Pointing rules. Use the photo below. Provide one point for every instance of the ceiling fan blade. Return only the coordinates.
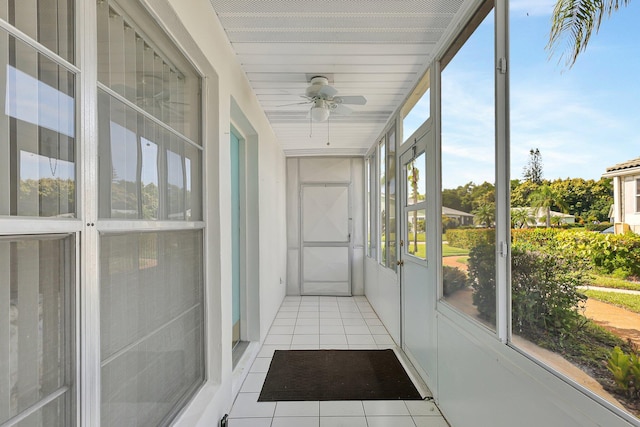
(294, 103)
(327, 91)
(352, 100)
(341, 109)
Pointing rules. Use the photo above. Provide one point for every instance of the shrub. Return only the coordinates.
(453, 279)
(544, 292)
(625, 368)
(470, 238)
(601, 226)
(482, 278)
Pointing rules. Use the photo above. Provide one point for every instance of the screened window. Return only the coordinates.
(149, 109)
(417, 109)
(38, 150)
(468, 171)
(372, 210)
(390, 183)
(151, 324)
(37, 363)
(150, 168)
(382, 201)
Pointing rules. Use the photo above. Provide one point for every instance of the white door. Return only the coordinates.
(418, 295)
(325, 233)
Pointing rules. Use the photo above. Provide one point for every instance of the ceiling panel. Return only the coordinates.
(374, 48)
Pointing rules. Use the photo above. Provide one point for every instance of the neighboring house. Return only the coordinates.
(626, 195)
(539, 215)
(463, 218)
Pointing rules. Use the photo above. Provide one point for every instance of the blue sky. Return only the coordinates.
(582, 119)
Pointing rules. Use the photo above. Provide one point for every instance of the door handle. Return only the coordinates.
(400, 262)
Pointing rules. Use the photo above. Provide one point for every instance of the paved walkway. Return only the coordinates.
(619, 291)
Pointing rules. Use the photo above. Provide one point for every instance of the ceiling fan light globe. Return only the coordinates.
(319, 114)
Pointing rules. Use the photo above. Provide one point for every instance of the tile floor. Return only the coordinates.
(325, 323)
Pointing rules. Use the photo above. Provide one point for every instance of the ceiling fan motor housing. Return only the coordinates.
(317, 83)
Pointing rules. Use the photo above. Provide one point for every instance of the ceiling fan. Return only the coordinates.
(325, 101)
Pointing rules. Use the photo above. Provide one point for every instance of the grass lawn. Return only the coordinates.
(627, 301)
(612, 282)
(450, 250)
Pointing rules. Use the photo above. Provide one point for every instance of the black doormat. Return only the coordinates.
(296, 375)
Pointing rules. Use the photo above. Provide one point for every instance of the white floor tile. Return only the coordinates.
(306, 330)
(343, 408)
(307, 322)
(383, 339)
(332, 321)
(333, 339)
(343, 422)
(331, 329)
(430, 422)
(363, 347)
(334, 346)
(287, 315)
(305, 339)
(284, 322)
(327, 323)
(353, 322)
(378, 330)
(390, 422)
(253, 382)
(261, 364)
(298, 409)
(330, 315)
(276, 339)
(296, 422)
(384, 407)
(267, 350)
(351, 315)
(360, 339)
(305, 347)
(282, 330)
(356, 330)
(308, 314)
(250, 422)
(422, 407)
(247, 406)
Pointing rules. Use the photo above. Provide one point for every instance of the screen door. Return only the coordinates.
(325, 233)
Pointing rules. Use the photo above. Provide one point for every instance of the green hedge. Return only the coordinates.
(616, 254)
(470, 238)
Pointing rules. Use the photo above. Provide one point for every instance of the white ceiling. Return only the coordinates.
(375, 48)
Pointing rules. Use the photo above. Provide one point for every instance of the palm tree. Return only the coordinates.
(520, 217)
(414, 177)
(484, 215)
(545, 197)
(576, 20)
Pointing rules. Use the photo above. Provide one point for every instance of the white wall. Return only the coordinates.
(383, 292)
(630, 216)
(482, 382)
(195, 28)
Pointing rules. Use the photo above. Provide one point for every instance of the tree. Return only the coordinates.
(520, 218)
(546, 197)
(575, 20)
(484, 215)
(533, 170)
